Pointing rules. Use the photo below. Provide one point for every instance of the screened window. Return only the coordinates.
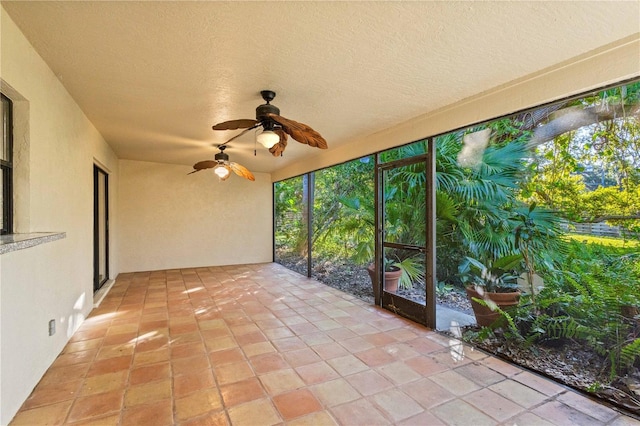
(6, 164)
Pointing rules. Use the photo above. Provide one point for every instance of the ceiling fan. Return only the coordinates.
(222, 167)
(275, 128)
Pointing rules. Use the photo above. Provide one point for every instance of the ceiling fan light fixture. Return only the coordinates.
(221, 171)
(268, 138)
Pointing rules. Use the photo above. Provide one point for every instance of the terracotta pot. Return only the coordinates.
(391, 279)
(484, 315)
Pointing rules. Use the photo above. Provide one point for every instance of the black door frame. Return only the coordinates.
(98, 173)
(424, 314)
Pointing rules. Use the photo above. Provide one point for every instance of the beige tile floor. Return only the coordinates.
(261, 345)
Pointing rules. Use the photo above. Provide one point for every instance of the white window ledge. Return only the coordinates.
(13, 242)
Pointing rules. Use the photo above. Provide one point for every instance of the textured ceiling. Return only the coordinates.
(154, 76)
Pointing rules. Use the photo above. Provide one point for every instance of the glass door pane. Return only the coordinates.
(291, 231)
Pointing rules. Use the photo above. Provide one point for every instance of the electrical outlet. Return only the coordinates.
(52, 327)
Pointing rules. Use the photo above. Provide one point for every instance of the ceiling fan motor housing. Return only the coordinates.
(263, 110)
(221, 156)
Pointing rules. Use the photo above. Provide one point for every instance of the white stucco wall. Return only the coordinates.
(606, 65)
(168, 219)
(54, 193)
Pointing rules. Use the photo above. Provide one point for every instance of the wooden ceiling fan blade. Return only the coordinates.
(202, 165)
(278, 148)
(235, 124)
(242, 133)
(300, 132)
(241, 171)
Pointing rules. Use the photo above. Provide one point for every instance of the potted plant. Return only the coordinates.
(490, 286)
(392, 275)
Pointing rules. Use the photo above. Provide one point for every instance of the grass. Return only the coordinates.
(618, 245)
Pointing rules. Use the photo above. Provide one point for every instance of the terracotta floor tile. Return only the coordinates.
(114, 351)
(316, 373)
(123, 328)
(375, 357)
(368, 382)
(90, 330)
(460, 413)
(193, 337)
(268, 362)
(301, 357)
(356, 344)
(147, 393)
(151, 357)
(96, 405)
(379, 339)
(197, 404)
(258, 349)
(216, 418)
(53, 414)
(278, 333)
(150, 373)
(184, 384)
(293, 320)
(71, 358)
(289, 344)
(538, 383)
(318, 338)
(249, 338)
(58, 392)
(234, 372)
(151, 341)
(152, 325)
(64, 374)
(425, 365)
(158, 413)
(454, 382)
(296, 404)
(185, 328)
(83, 345)
(425, 418)
(277, 382)
(347, 364)
(258, 412)
(108, 420)
(340, 334)
(585, 405)
(493, 404)
(243, 391)
(120, 339)
(396, 405)
(335, 392)
(187, 365)
(330, 350)
(362, 410)
(500, 366)
(319, 418)
(220, 343)
(424, 345)
(518, 393)
(226, 356)
(427, 393)
(110, 365)
(104, 383)
(303, 328)
(480, 374)
(530, 419)
(559, 413)
(187, 350)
